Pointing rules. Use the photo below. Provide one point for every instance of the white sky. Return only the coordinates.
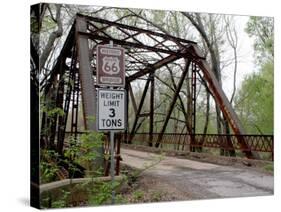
(246, 63)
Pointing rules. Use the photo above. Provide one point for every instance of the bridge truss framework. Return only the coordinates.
(147, 53)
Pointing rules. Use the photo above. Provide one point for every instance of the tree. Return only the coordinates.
(206, 25)
(262, 30)
(254, 102)
(53, 36)
(255, 97)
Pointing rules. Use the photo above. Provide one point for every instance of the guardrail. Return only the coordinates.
(187, 142)
(199, 142)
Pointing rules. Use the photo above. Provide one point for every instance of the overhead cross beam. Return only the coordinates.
(129, 43)
(136, 29)
(153, 67)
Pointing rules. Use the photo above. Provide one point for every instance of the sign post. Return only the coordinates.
(112, 166)
(111, 102)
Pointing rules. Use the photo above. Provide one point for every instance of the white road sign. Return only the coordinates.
(111, 109)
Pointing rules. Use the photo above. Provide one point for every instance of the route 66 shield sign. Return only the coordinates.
(110, 66)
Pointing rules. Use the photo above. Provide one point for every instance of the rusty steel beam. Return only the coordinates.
(223, 102)
(171, 107)
(132, 98)
(144, 114)
(135, 58)
(130, 36)
(257, 143)
(128, 43)
(87, 83)
(193, 91)
(127, 88)
(193, 111)
(220, 97)
(151, 114)
(160, 43)
(145, 31)
(75, 105)
(153, 67)
(173, 89)
(139, 109)
(85, 72)
(60, 104)
(97, 29)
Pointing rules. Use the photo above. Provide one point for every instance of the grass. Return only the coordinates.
(156, 196)
(269, 168)
(138, 195)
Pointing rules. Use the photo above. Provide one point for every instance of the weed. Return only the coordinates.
(269, 168)
(137, 195)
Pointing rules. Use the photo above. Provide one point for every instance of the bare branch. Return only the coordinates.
(232, 38)
(54, 35)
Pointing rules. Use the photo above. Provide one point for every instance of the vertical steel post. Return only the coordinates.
(75, 105)
(112, 165)
(87, 84)
(193, 98)
(193, 112)
(151, 115)
(86, 78)
(139, 110)
(125, 137)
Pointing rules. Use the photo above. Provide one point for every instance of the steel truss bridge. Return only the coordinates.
(72, 80)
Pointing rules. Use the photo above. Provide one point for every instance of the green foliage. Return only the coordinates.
(48, 24)
(254, 102)
(58, 200)
(47, 169)
(55, 111)
(269, 168)
(73, 148)
(90, 144)
(120, 199)
(83, 151)
(137, 195)
(156, 196)
(100, 194)
(262, 30)
(48, 106)
(62, 201)
(34, 25)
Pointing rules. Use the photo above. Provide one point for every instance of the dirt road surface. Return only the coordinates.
(190, 179)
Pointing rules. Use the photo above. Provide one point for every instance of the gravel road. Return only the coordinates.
(200, 180)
